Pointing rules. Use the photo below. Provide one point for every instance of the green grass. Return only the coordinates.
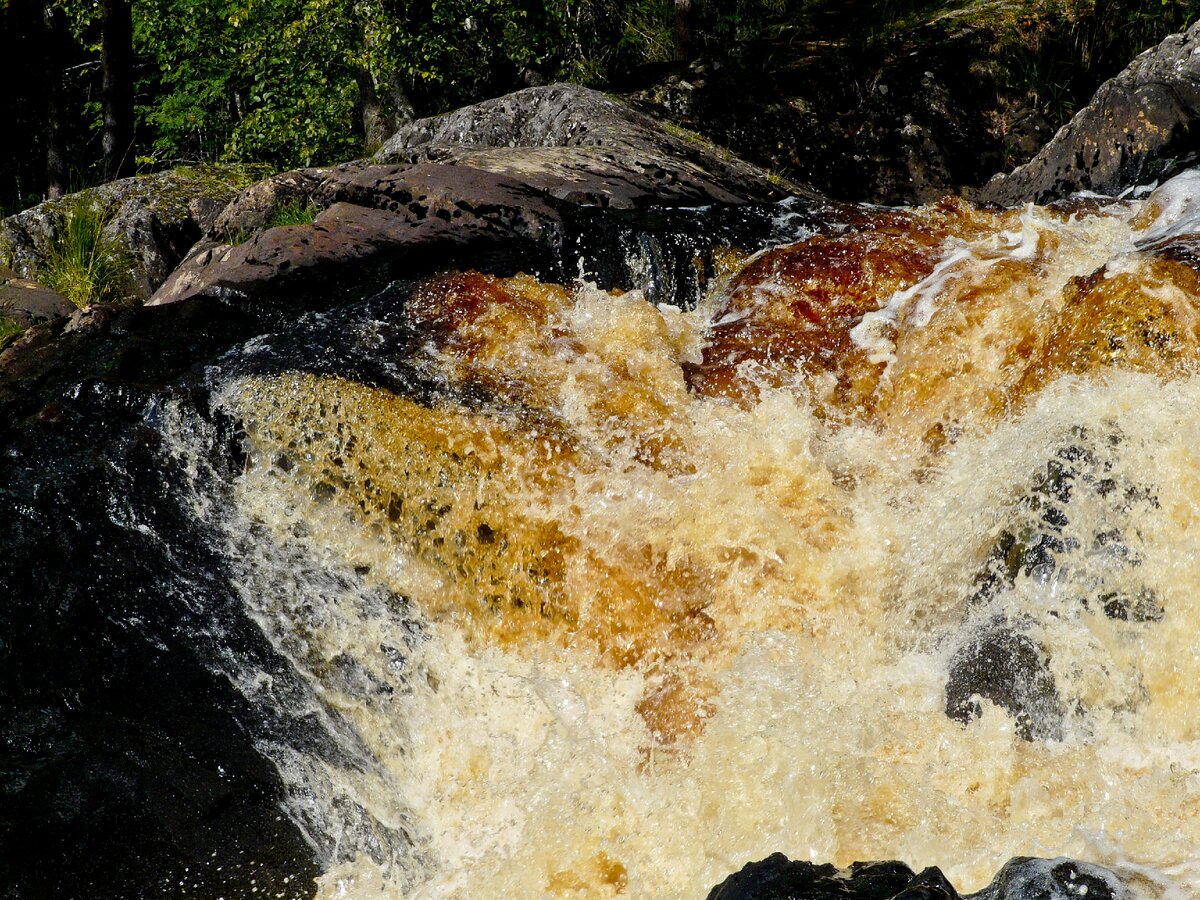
(82, 265)
(9, 331)
(295, 213)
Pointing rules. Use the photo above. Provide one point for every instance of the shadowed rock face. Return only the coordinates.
(1133, 131)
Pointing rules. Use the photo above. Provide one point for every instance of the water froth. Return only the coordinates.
(622, 624)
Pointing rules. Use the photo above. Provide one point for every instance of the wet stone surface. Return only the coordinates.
(1022, 878)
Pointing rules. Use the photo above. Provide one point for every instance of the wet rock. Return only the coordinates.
(1134, 130)
(1002, 664)
(150, 220)
(131, 767)
(1025, 878)
(1021, 878)
(779, 878)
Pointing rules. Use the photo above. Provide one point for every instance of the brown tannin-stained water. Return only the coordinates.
(888, 549)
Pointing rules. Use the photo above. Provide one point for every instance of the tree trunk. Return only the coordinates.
(57, 38)
(116, 57)
(684, 30)
(383, 115)
(22, 104)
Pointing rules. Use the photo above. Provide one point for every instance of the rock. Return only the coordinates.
(151, 221)
(603, 135)
(407, 220)
(1132, 132)
(486, 198)
(779, 878)
(1002, 664)
(253, 208)
(1024, 878)
(25, 303)
(1021, 878)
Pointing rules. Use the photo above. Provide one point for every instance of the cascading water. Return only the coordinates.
(884, 549)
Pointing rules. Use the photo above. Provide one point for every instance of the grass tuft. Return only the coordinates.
(295, 213)
(9, 331)
(82, 265)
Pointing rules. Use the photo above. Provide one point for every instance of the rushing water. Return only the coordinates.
(885, 549)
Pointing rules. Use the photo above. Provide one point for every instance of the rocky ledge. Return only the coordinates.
(497, 181)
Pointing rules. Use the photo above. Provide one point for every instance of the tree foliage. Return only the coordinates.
(309, 82)
(281, 80)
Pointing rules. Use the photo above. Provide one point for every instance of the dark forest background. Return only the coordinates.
(99, 89)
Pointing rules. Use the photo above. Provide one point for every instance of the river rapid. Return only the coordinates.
(885, 548)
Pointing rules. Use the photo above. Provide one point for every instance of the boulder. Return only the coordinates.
(398, 221)
(253, 209)
(150, 221)
(602, 134)
(1136, 127)
(501, 183)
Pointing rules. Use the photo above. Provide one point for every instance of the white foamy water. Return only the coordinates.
(608, 634)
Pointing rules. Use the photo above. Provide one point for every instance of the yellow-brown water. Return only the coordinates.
(691, 581)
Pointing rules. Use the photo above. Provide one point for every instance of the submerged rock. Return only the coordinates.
(1133, 131)
(779, 878)
(1001, 664)
(1022, 878)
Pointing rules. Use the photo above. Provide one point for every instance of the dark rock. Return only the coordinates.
(1021, 878)
(130, 766)
(1025, 878)
(779, 878)
(1000, 663)
(150, 220)
(27, 303)
(1133, 131)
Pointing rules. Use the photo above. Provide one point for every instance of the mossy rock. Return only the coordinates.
(151, 221)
